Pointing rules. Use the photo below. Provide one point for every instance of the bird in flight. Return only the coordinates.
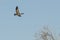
(18, 13)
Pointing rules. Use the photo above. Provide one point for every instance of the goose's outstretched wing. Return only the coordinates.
(22, 13)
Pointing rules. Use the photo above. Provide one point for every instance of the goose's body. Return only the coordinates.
(17, 12)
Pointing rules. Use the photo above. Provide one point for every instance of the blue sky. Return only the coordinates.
(37, 13)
